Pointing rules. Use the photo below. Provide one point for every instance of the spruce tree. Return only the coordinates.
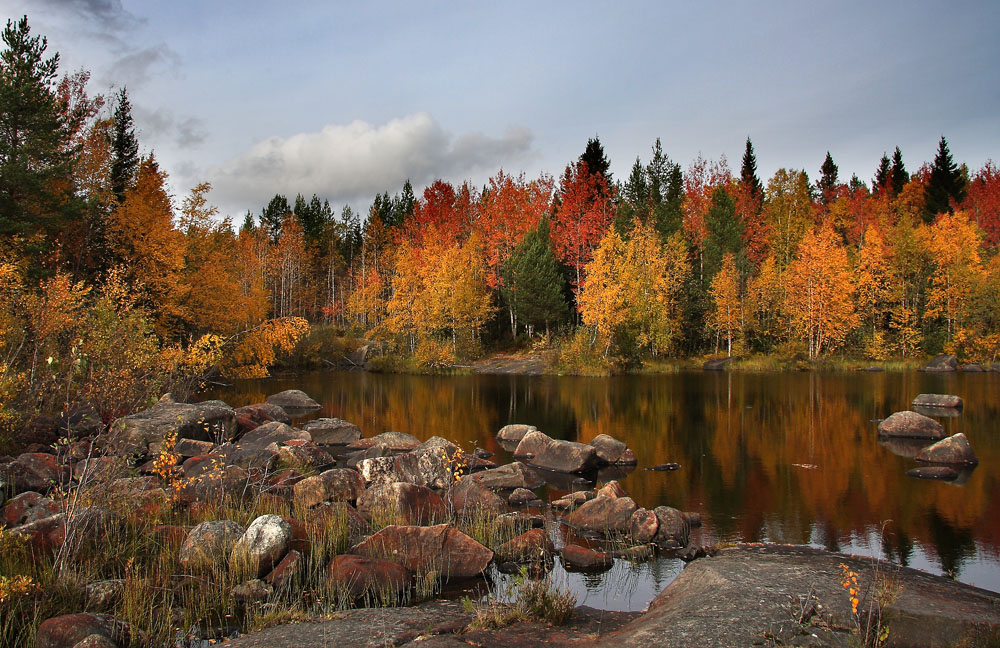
(898, 176)
(273, 216)
(827, 182)
(124, 148)
(725, 232)
(666, 192)
(882, 181)
(748, 172)
(533, 287)
(248, 226)
(597, 161)
(946, 184)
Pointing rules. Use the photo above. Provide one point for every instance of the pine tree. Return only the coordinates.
(898, 175)
(748, 172)
(403, 203)
(881, 181)
(596, 160)
(725, 232)
(273, 217)
(248, 226)
(666, 192)
(533, 286)
(946, 184)
(827, 182)
(124, 148)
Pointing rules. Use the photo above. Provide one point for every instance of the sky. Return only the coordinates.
(350, 99)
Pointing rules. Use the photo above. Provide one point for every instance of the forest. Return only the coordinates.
(112, 289)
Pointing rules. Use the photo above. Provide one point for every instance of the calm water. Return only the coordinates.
(789, 457)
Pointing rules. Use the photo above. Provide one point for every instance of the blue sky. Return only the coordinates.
(347, 99)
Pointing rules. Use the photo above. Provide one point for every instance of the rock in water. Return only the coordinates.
(515, 432)
(332, 431)
(937, 400)
(953, 450)
(912, 425)
(293, 399)
(941, 363)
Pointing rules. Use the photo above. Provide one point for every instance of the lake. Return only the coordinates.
(765, 457)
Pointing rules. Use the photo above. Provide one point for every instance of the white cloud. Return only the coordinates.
(353, 162)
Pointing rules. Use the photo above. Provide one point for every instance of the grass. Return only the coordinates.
(524, 600)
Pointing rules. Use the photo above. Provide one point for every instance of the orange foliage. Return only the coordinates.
(511, 207)
(583, 214)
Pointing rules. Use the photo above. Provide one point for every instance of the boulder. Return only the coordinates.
(274, 432)
(263, 545)
(70, 630)
(17, 509)
(531, 546)
(674, 529)
(577, 558)
(293, 399)
(612, 451)
(305, 456)
(643, 525)
(396, 441)
(943, 362)
(521, 497)
(420, 549)
(36, 471)
(572, 500)
(251, 416)
(358, 576)
(354, 459)
(216, 484)
(339, 518)
(208, 544)
(434, 465)
(284, 573)
(532, 444)
(104, 593)
(566, 457)
(911, 425)
(416, 505)
(953, 450)
(515, 432)
(468, 497)
(604, 515)
(611, 489)
(938, 400)
(508, 477)
(208, 421)
(332, 431)
(189, 447)
(973, 367)
(252, 591)
(335, 485)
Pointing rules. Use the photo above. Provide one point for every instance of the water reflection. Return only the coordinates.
(790, 457)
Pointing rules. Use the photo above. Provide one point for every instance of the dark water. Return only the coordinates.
(784, 457)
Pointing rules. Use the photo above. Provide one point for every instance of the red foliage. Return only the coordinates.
(582, 217)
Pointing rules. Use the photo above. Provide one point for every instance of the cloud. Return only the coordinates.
(110, 14)
(163, 126)
(136, 66)
(352, 162)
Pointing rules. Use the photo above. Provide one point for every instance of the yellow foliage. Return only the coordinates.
(727, 313)
(954, 243)
(255, 350)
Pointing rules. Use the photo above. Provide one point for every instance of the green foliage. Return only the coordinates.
(124, 148)
(533, 287)
(945, 185)
(748, 172)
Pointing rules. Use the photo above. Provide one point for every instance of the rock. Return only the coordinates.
(292, 399)
(604, 515)
(938, 412)
(332, 431)
(612, 451)
(273, 432)
(89, 527)
(532, 444)
(973, 368)
(953, 450)
(572, 500)
(208, 544)
(252, 591)
(911, 425)
(566, 457)
(531, 546)
(521, 497)
(423, 549)
(358, 576)
(937, 400)
(16, 510)
(416, 505)
(338, 517)
(470, 498)
(354, 459)
(36, 471)
(217, 484)
(208, 421)
(45, 535)
(580, 558)
(643, 525)
(943, 362)
(251, 416)
(612, 489)
(674, 529)
(396, 441)
(70, 630)
(637, 554)
(515, 432)
(190, 447)
(102, 594)
(943, 473)
(283, 575)
(510, 476)
(335, 485)
(263, 545)
(716, 364)
(305, 456)
(665, 467)
(433, 464)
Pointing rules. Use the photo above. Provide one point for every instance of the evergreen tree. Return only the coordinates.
(597, 161)
(350, 242)
(313, 217)
(36, 182)
(636, 199)
(748, 171)
(883, 173)
(273, 216)
(946, 184)
(666, 192)
(725, 233)
(855, 184)
(124, 148)
(248, 226)
(897, 174)
(827, 182)
(403, 203)
(533, 286)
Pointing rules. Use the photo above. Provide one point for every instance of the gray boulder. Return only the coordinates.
(508, 477)
(515, 432)
(332, 431)
(953, 450)
(912, 425)
(942, 363)
(532, 444)
(212, 421)
(293, 399)
(938, 400)
(612, 451)
(604, 515)
(566, 457)
(263, 545)
(674, 529)
(335, 485)
(209, 543)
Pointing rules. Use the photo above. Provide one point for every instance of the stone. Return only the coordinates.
(396, 441)
(217, 484)
(572, 500)
(284, 573)
(515, 432)
(938, 400)
(521, 497)
(69, 630)
(416, 505)
(912, 425)
(208, 421)
(508, 477)
(468, 497)
(953, 450)
(604, 515)
(251, 416)
(612, 451)
(566, 457)
(36, 471)
(674, 530)
(263, 545)
(434, 465)
(334, 485)
(252, 591)
(102, 594)
(338, 517)
(354, 459)
(208, 544)
(273, 432)
(973, 367)
(293, 399)
(611, 489)
(531, 546)
(942, 473)
(16, 510)
(941, 363)
(358, 576)
(577, 558)
(332, 431)
(532, 444)
(305, 455)
(643, 525)
(423, 549)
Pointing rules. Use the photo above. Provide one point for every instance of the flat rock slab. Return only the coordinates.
(938, 400)
(749, 592)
